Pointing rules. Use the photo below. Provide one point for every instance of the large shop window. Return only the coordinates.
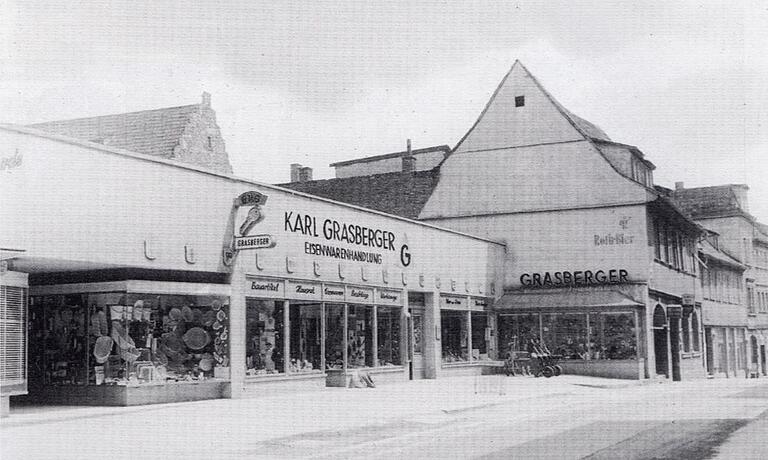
(360, 352)
(264, 337)
(516, 331)
(334, 342)
(481, 335)
(566, 335)
(582, 336)
(388, 332)
(128, 339)
(305, 333)
(455, 335)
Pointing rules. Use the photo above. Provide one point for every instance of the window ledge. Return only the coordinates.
(281, 377)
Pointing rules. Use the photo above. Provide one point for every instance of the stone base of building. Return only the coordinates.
(631, 369)
(114, 395)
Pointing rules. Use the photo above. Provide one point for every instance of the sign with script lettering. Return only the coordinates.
(303, 290)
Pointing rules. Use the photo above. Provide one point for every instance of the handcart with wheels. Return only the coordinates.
(544, 363)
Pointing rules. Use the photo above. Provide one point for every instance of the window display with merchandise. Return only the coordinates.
(306, 336)
(360, 352)
(131, 339)
(264, 337)
(454, 335)
(388, 335)
(334, 342)
(481, 335)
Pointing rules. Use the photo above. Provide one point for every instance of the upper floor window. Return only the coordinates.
(519, 101)
(641, 173)
(672, 247)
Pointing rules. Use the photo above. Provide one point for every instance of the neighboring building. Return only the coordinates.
(724, 209)
(188, 134)
(599, 262)
(723, 309)
(412, 160)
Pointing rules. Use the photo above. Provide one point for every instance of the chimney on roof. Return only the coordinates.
(679, 185)
(305, 174)
(206, 102)
(408, 160)
(295, 168)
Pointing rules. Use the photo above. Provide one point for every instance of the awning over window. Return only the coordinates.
(546, 300)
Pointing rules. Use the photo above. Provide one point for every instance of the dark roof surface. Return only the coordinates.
(437, 148)
(151, 132)
(704, 202)
(398, 193)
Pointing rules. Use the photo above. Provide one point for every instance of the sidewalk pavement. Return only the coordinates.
(447, 395)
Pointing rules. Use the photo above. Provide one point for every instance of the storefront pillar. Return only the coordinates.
(237, 311)
(5, 406)
(431, 342)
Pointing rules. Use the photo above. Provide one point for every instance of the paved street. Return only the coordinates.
(489, 417)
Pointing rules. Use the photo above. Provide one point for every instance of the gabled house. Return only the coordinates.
(188, 134)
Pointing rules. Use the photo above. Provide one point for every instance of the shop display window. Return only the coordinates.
(481, 335)
(612, 335)
(130, 339)
(305, 332)
(516, 331)
(264, 337)
(566, 335)
(334, 342)
(360, 352)
(454, 335)
(388, 329)
(60, 346)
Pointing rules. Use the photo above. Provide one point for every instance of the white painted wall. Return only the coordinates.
(504, 125)
(528, 179)
(565, 240)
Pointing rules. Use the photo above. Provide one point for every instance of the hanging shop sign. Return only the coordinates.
(258, 287)
(359, 295)
(453, 303)
(576, 278)
(302, 290)
(254, 242)
(687, 300)
(333, 293)
(389, 297)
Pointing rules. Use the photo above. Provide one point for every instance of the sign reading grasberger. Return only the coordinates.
(336, 231)
(576, 278)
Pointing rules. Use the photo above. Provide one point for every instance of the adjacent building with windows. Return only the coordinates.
(739, 337)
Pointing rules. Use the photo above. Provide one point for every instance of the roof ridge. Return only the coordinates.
(113, 115)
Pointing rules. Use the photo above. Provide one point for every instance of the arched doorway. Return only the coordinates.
(660, 347)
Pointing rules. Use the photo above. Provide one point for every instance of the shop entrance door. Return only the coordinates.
(415, 336)
(660, 341)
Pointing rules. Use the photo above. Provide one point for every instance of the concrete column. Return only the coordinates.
(432, 346)
(286, 336)
(5, 406)
(237, 330)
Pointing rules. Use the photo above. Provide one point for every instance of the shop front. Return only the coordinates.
(595, 332)
(128, 343)
(468, 336)
(310, 333)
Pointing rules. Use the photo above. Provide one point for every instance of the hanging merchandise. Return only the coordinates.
(187, 314)
(196, 338)
(102, 349)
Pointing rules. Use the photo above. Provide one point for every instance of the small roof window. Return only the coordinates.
(519, 101)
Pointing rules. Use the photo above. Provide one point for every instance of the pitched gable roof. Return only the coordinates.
(709, 202)
(398, 193)
(549, 121)
(151, 132)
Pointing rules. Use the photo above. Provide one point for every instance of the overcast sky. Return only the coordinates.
(318, 82)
